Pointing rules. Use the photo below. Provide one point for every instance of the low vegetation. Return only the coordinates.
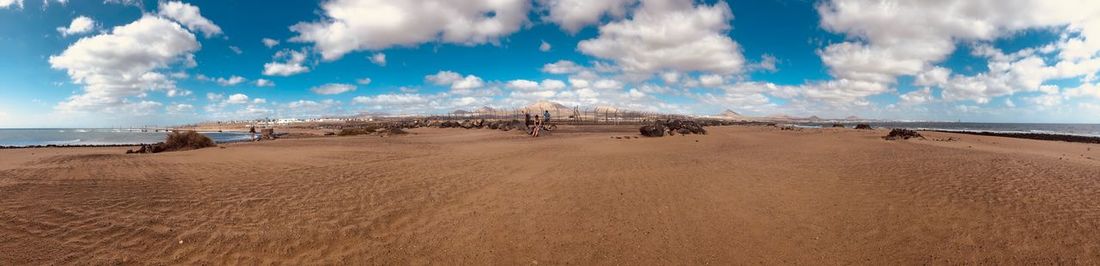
(178, 141)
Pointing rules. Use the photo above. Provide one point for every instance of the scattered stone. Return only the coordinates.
(863, 126)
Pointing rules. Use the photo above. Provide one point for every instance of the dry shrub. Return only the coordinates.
(187, 140)
(901, 134)
(357, 131)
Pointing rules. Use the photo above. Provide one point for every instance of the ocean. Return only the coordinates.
(1091, 130)
(96, 136)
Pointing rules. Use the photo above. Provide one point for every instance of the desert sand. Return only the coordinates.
(739, 195)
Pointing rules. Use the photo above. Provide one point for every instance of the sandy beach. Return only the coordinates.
(739, 195)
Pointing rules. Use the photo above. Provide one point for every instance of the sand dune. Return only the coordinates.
(741, 195)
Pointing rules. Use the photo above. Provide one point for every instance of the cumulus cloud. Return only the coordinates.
(456, 81)
(11, 3)
(391, 99)
(79, 25)
(270, 43)
(670, 35)
(879, 51)
(189, 16)
(572, 15)
(286, 63)
(921, 96)
(237, 99)
(352, 25)
(231, 81)
(264, 83)
(545, 46)
(333, 89)
(124, 63)
(378, 59)
(179, 108)
(562, 67)
(363, 81)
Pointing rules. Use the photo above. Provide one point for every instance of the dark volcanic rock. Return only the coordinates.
(655, 130)
(901, 133)
(863, 126)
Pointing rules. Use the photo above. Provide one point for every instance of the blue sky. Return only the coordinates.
(127, 62)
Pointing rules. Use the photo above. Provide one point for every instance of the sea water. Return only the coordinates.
(1092, 130)
(96, 136)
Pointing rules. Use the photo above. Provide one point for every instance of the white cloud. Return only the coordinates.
(921, 96)
(391, 99)
(607, 84)
(333, 89)
(174, 92)
(1045, 101)
(291, 63)
(270, 43)
(545, 46)
(443, 78)
(527, 85)
(572, 15)
(10, 3)
(562, 67)
(259, 101)
(879, 51)
(1085, 90)
(236, 50)
(352, 25)
(711, 80)
(378, 59)
(467, 83)
(767, 63)
(237, 99)
(522, 84)
(455, 80)
(124, 63)
(179, 108)
(231, 81)
(264, 83)
(670, 35)
(79, 25)
(189, 16)
(363, 81)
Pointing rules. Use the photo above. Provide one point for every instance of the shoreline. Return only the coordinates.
(1023, 135)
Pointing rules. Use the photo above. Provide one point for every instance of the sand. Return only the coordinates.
(740, 195)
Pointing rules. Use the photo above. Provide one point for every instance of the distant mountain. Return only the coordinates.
(780, 117)
(730, 113)
(814, 118)
(485, 109)
(853, 118)
(548, 106)
(461, 112)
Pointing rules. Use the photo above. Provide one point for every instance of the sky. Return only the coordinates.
(96, 63)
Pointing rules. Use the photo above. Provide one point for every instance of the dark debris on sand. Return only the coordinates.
(902, 134)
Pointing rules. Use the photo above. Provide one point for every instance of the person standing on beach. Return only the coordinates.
(545, 116)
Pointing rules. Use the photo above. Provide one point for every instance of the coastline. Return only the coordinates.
(1023, 135)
